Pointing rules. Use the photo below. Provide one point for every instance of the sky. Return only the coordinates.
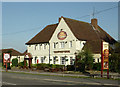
(23, 20)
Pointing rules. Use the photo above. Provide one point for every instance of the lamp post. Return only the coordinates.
(75, 60)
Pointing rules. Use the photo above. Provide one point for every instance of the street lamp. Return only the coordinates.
(75, 60)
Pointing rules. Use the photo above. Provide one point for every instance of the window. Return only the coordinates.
(63, 60)
(93, 60)
(35, 46)
(54, 45)
(70, 44)
(42, 59)
(40, 46)
(71, 61)
(35, 59)
(44, 46)
(62, 44)
(98, 60)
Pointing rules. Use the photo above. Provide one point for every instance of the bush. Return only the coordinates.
(70, 68)
(21, 64)
(81, 67)
(42, 66)
(97, 66)
(15, 62)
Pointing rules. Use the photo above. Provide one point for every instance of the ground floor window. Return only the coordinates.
(63, 60)
(42, 59)
(71, 61)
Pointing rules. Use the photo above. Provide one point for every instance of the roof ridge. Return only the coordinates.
(75, 20)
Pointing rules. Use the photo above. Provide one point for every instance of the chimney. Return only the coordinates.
(94, 23)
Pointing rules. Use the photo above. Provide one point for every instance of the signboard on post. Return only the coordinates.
(104, 57)
(6, 57)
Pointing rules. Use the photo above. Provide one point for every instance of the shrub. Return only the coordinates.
(15, 62)
(81, 67)
(21, 64)
(70, 68)
(42, 66)
(97, 66)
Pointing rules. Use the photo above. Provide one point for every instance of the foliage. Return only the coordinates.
(21, 64)
(97, 66)
(15, 62)
(85, 59)
(114, 58)
(70, 68)
(42, 66)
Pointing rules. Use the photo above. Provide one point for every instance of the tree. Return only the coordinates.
(114, 58)
(15, 62)
(86, 58)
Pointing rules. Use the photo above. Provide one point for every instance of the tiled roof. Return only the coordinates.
(44, 35)
(12, 52)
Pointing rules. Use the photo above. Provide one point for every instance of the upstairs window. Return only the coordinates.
(44, 46)
(54, 45)
(62, 44)
(70, 44)
(40, 46)
(36, 47)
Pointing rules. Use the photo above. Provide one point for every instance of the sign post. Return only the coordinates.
(104, 58)
(5, 59)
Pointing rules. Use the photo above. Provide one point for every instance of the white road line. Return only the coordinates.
(88, 83)
(6, 83)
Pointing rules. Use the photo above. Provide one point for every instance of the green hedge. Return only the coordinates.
(42, 66)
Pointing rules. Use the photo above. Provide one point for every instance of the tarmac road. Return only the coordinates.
(33, 80)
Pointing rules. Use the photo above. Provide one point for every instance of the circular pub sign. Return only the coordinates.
(62, 35)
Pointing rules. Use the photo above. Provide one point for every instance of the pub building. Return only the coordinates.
(58, 43)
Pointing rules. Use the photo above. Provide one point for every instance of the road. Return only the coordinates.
(30, 79)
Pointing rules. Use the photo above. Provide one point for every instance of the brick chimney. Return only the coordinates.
(94, 23)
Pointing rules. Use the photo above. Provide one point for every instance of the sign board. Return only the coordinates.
(6, 56)
(62, 35)
(105, 55)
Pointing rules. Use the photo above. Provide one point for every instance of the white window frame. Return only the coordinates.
(62, 44)
(70, 44)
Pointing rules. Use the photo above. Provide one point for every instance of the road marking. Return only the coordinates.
(88, 83)
(6, 83)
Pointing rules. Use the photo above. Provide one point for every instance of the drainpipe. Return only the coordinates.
(49, 52)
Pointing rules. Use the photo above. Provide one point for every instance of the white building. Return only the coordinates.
(57, 43)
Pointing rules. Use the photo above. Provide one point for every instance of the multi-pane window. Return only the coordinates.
(93, 60)
(45, 46)
(36, 47)
(40, 46)
(42, 59)
(63, 60)
(71, 61)
(62, 44)
(98, 60)
(54, 45)
(70, 44)
(35, 59)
